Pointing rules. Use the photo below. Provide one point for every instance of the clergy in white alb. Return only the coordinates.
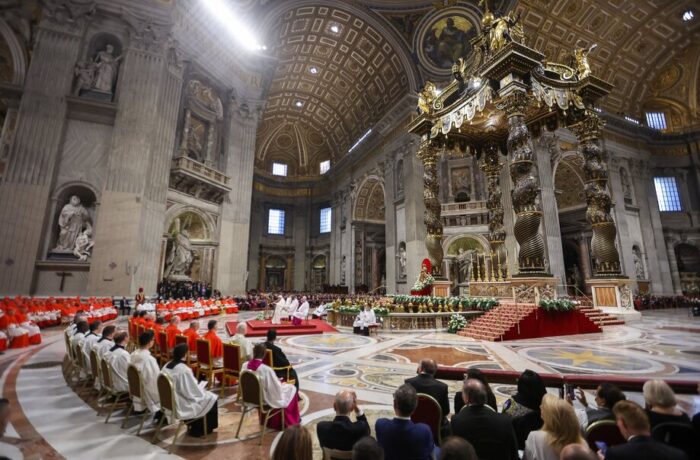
(90, 339)
(192, 401)
(301, 312)
(118, 359)
(364, 319)
(321, 310)
(148, 368)
(280, 310)
(105, 343)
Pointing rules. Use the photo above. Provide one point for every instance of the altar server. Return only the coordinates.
(146, 364)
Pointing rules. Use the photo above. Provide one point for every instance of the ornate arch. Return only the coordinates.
(369, 203)
(570, 180)
(17, 53)
(180, 210)
(449, 241)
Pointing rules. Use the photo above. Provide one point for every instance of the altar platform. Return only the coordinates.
(258, 328)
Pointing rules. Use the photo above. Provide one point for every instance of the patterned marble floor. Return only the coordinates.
(50, 420)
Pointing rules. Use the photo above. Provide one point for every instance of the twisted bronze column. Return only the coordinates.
(428, 154)
(491, 166)
(605, 256)
(525, 193)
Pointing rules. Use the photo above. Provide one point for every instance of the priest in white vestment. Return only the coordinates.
(275, 393)
(81, 329)
(90, 339)
(365, 319)
(148, 368)
(118, 359)
(321, 311)
(106, 342)
(301, 312)
(280, 310)
(192, 401)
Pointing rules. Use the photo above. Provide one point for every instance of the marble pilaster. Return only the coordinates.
(415, 208)
(550, 220)
(620, 217)
(126, 252)
(231, 269)
(33, 155)
(659, 269)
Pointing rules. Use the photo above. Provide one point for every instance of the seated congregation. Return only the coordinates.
(169, 374)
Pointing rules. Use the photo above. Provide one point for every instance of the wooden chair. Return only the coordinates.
(165, 352)
(232, 365)
(267, 360)
(133, 336)
(428, 411)
(119, 396)
(166, 394)
(83, 366)
(96, 371)
(605, 431)
(252, 398)
(206, 362)
(136, 391)
(191, 357)
(73, 365)
(335, 454)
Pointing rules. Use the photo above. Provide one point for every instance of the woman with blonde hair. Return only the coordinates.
(661, 404)
(561, 428)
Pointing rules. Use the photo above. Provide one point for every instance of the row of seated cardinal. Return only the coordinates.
(193, 401)
(21, 318)
(188, 309)
(541, 425)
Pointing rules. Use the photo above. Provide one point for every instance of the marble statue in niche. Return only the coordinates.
(402, 261)
(626, 187)
(399, 178)
(342, 271)
(96, 77)
(181, 256)
(465, 259)
(72, 222)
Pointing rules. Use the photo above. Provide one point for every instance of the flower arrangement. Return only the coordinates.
(260, 317)
(419, 285)
(466, 303)
(456, 323)
(349, 310)
(557, 305)
(381, 311)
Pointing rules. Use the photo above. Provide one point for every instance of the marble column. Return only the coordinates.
(132, 213)
(605, 254)
(33, 155)
(300, 233)
(231, 269)
(673, 262)
(585, 257)
(525, 191)
(428, 155)
(659, 268)
(492, 167)
(511, 244)
(414, 210)
(552, 229)
(390, 222)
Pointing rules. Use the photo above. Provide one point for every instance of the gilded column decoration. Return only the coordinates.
(525, 193)
(606, 259)
(428, 154)
(491, 166)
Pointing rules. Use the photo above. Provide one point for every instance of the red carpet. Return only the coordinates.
(258, 328)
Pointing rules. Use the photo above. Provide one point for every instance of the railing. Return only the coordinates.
(464, 214)
(558, 381)
(192, 166)
(578, 291)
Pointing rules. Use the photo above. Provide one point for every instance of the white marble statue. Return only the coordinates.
(402, 261)
(106, 69)
(83, 244)
(73, 219)
(181, 255)
(464, 260)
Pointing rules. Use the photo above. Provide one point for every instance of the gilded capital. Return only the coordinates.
(590, 127)
(514, 103)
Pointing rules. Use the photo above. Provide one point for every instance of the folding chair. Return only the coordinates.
(267, 360)
(428, 411)
(232, 365)
(206, 362)
(162, 341)
(136, 391)
(605, 431)
(117, 395)
(166, 393)
(252, 398)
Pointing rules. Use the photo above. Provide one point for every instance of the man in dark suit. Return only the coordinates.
(634, 426)
(279, 359)
(342, 433)
(400, 438)
(490, 433)
(426, 383)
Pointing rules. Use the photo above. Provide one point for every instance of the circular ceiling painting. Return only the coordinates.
(445, 37)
